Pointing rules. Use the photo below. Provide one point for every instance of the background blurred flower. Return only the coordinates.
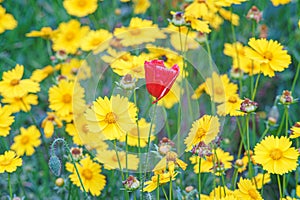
(7, 21)
(9, 162)
(247, 190)
(80, 8)
(6, 120)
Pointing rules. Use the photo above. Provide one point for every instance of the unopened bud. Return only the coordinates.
(59, 182)
(178, 18)
(286, 97)
(255, 14)
(248, 106)
(131, 183)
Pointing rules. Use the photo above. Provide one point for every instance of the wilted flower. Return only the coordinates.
(286, 97)
(202, 149)
(61, 55)
(165, 145)
(76, 153)
(248, 106)
(131, 183)
(178, 18)
(255, 14)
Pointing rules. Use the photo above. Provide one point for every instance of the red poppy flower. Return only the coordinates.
(159, 79)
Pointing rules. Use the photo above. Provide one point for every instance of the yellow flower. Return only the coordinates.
(231, 106)
(199, 91)
(298, 190)
(132, 135)
(97, 41)
(289, 198)
(207, 164)
(69, 36)
(90, 174)
(12, 84)
(168, 163)
(110, 159)
(280, 2)
(9, 162)
(197, 24)
(204, 129)
(21, 103)
(159, 178)
(5, 120)
(247, 190)
(295, 131)
(233, 18)
(276, 155)
(65, 97)
(133, 66)
(27, 141)
(80, 8)
(138, 32)
(75, 68)
(113, 55)
(7, 21)
(39, 75)
(218, 193)
(259, 178)
(45, 32)
(49, 122)
(269, 54)
(111, 117)
(140, 6)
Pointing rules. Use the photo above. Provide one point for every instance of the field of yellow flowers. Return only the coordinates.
(150, 99)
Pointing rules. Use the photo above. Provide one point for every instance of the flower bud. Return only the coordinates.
(236, 73)
(131, 183)
(239, 163)
(59, 182)
(178, 18)
(189, 188)
(255, 14)
(127, 82)
(76, 153)
(286, 97)
(61, 55)
(248, 106)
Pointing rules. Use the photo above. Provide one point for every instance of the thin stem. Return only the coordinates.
(255, 87)
(279, 186)
(264, 133)
(295, 78)
(157, 187)
(281, 124)
(262, 184)
(248, 146)
(234, 180)
(118, 158)
(286, 110)
(9, 186)
(126, 155)
(171, 188)
(199, 177)
(70, 190)
(163, 189)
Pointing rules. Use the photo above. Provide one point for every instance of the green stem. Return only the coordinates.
(171, 188)
(264, 133)
(255, 87)
(118, 158)
(157, 189)
(70, 189)
(234, 180)
(279, 186)
(286, 110)
(262, 184)
(126, 155)
(248, 146)
(199, 177)
(281, 124)
(165, 194)
(9, 186)
(295, 78)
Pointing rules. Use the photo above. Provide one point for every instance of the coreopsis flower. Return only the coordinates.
(131, 183)
(197, 24)
(247, 190)
(140, 6)
(204, 129)
(229, 16)
(159, 179)
(139, 133)
(6, 120)
(90, 174)
(76, 153)
(298, 190)
(7, 21)
(45, 33)
(255, 14)
(276, 155)
(65, 97)
(80, 8)
(211, 162)
(218, 193)
(133, 66)
(9, 162)
(96, 41)
(170, 162)
(23, 103)
(28, 139)
(269, 54)
(75, 68)
(231, 106)
(39, 75)
(111, 117)
(138, 32)
(159, 79)
(248, 106)
(280, 2)
(261, 179)
(113, 55)
(12, 84)
(111, 159)
(286, 97)
(69, 36)
(295, 131)
(49, 122)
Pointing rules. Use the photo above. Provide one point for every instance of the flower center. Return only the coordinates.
(85, 128)
(232, 99)
(276, 154)
(67, 98)
(268, 55)
(87, 174)
(135, 31)
(81, 3)
(200, 133)
(219, 91)
(253, 194)
(25, 140)
(5, 162)
(110, 118)
(69, 36)
(96, 41)
(14, 82)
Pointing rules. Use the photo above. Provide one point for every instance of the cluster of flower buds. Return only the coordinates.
(286, 97)
(127, 82)
(255, 14)
(202, 150)
(248, 106)
(177, 18)
(131, 183)
(165, 145)
(76, 153)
